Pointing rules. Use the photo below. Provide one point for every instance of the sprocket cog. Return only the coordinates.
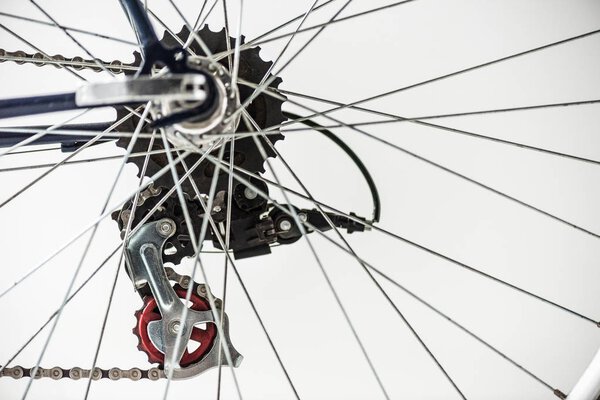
(264, 109)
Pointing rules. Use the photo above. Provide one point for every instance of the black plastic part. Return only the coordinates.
(250, 234)
(246, 204)
(315, 219)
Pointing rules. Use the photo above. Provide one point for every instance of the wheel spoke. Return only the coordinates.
(77, 30)
(365, 269)
(197, 245)
(274, 76)
(206, 207)
(85, 252)
(397, 118)
(48, 58)
(453, 172)
(53, 315)
(470, 113)
(66, 32)
(85, 161)
(123, 247)
(95, 222)
(292, 212)
(396, 236)
(259, 40)
(67, 158)
(456, 73)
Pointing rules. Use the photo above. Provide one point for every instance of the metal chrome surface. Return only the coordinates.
(181, 87)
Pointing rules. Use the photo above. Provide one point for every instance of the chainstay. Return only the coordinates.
(113, 374)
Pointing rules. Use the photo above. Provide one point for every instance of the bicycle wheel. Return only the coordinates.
(407, 207)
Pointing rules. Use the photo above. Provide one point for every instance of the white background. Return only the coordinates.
(347, 62)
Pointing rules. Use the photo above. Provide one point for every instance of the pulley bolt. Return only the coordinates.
(302, 217)
(174, 327)
(165, 227)
(217, 209)
(250, 194)
(285, 225)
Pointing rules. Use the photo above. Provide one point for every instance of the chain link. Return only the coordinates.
(76, 63)
(114, 374)
(56, 373)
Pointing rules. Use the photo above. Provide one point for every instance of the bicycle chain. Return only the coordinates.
(114, 374)
(77, 63)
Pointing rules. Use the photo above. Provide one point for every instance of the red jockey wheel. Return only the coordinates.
(205, 337)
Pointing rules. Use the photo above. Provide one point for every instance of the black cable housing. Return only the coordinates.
(357, 161)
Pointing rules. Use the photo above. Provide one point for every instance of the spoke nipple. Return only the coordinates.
(559, 394)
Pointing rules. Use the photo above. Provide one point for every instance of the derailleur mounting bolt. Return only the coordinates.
(285, 225)
(250, 194)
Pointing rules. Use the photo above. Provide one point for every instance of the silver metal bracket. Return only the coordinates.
(167, 88)
(144, 260)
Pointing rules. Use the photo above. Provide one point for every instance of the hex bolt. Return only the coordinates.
(165, 228)
(285, 225)
(250, 194)
(174, 327)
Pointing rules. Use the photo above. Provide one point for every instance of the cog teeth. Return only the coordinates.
(276, 82)
(136, 332)
(183, 33)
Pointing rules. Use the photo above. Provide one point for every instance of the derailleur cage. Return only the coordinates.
(145, 267)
